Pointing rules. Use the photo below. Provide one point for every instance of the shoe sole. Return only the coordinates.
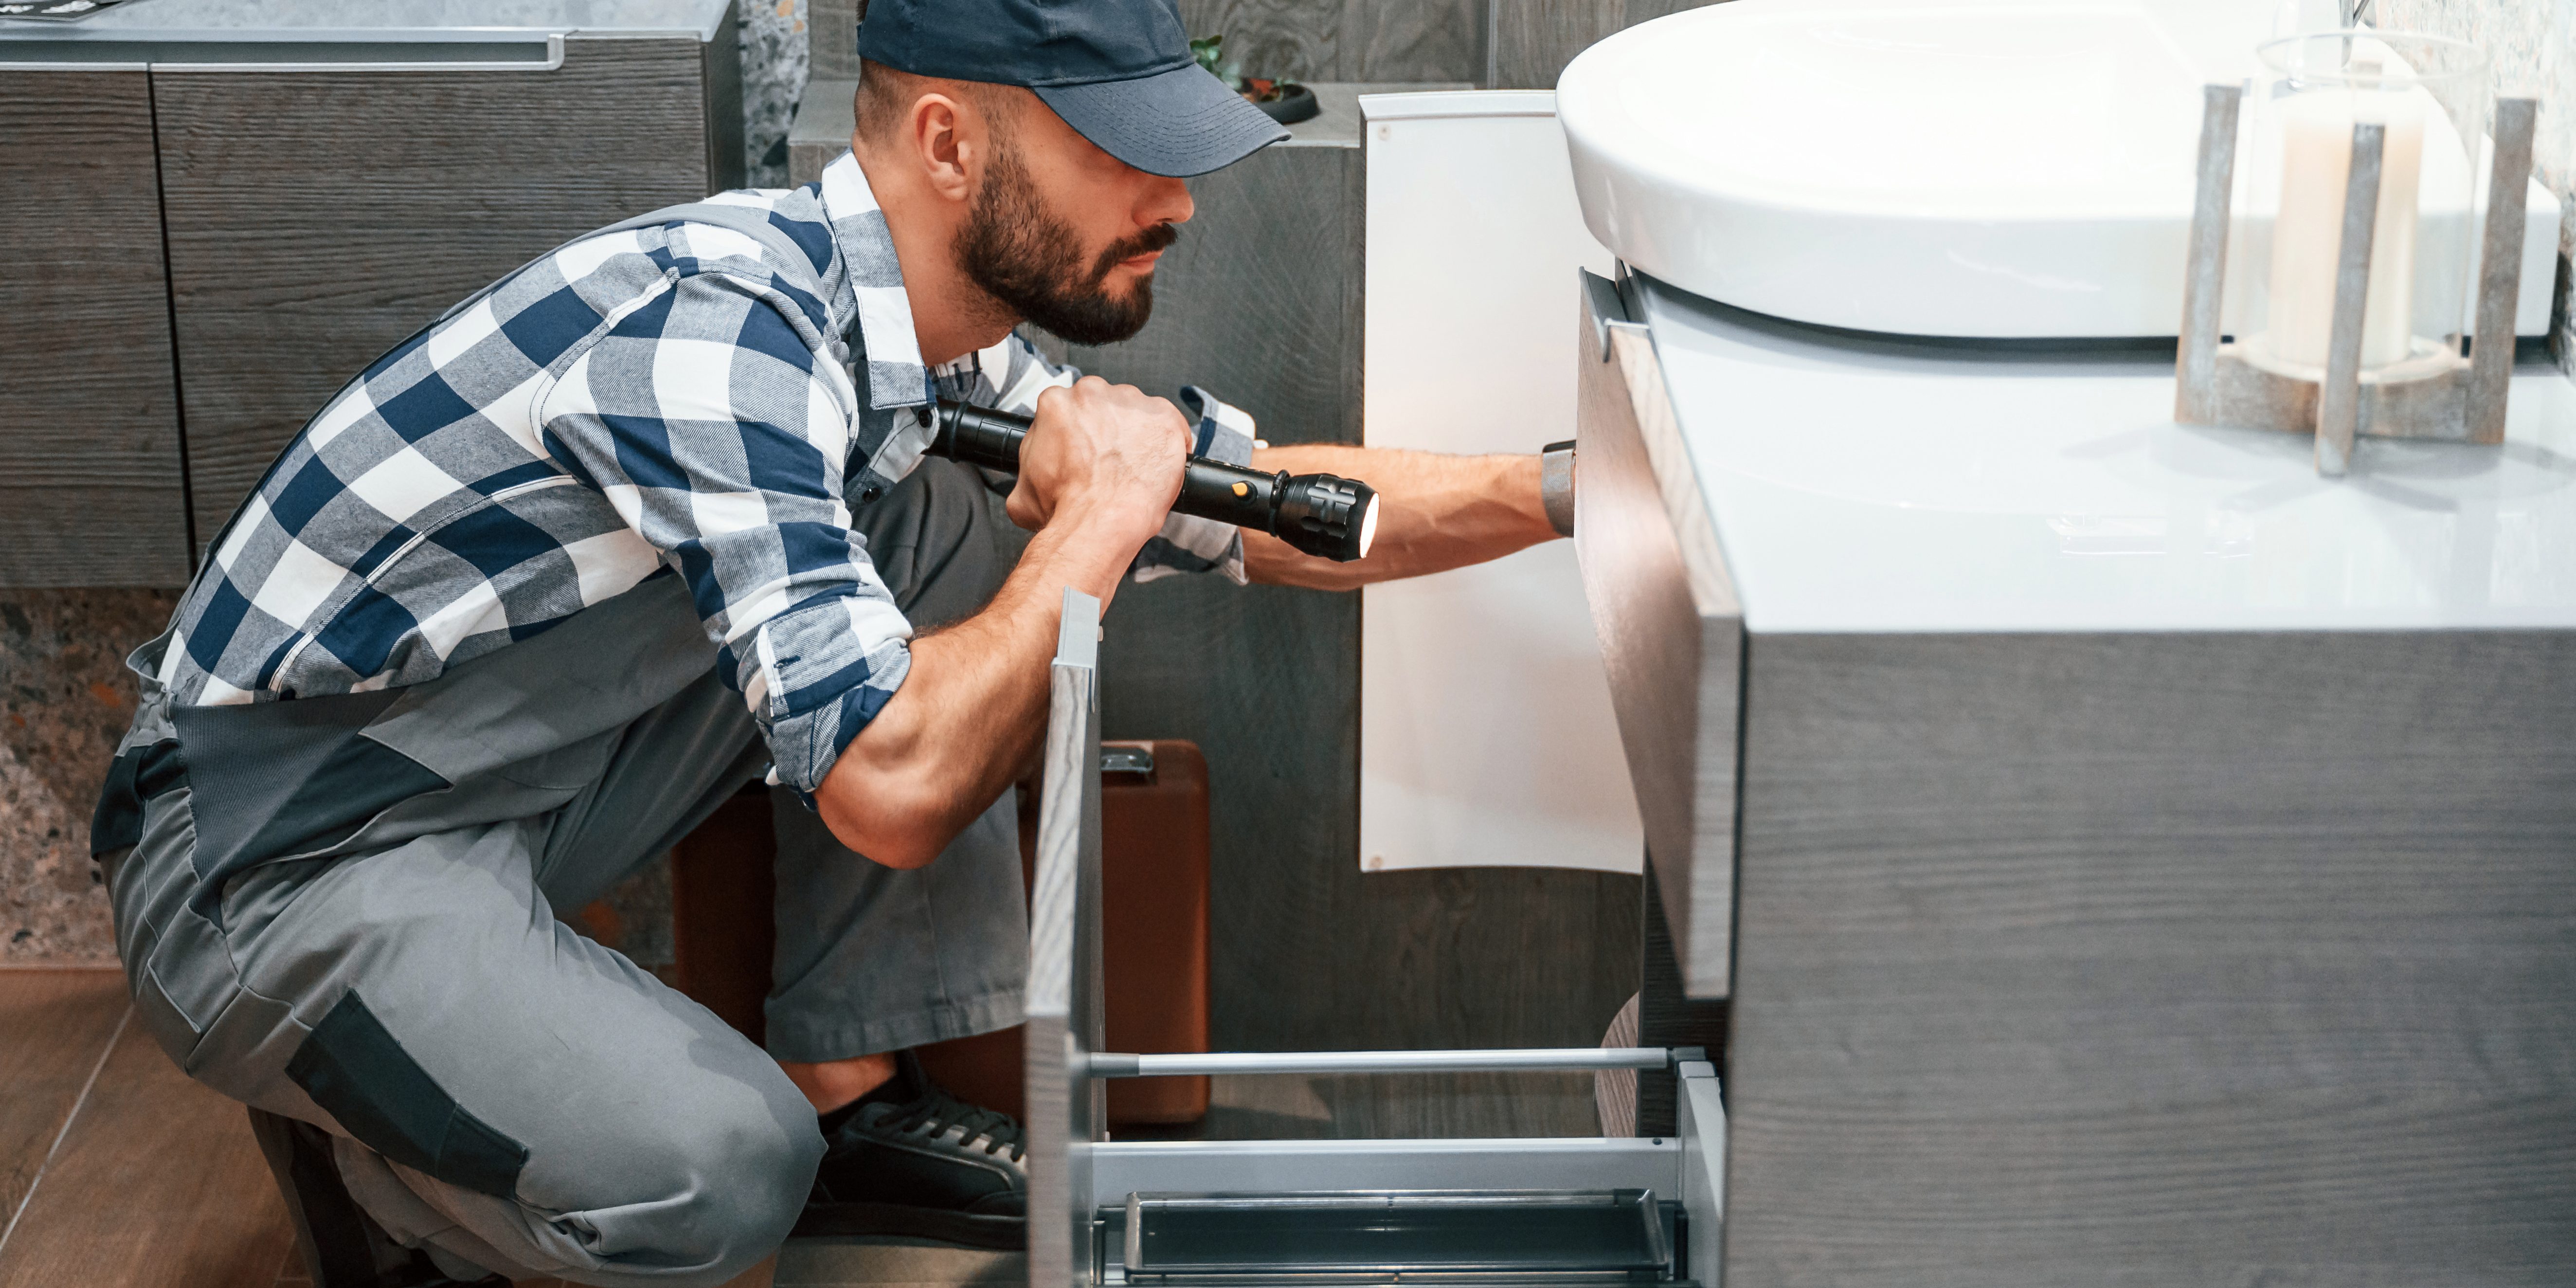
(967, 1230)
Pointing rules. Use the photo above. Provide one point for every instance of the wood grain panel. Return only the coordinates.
(1411, 40)
(54, 1027)
(1392, 1106)
(158, 1185)
(90, 487)
(832, 38)
(1671, 632)
(1347, 40)
(1667, 1016)
(720, 104)
(1259, 302)
(2157, 959)
(1533, 40)
(296, 266)
(1289, 39)
(1308, 952)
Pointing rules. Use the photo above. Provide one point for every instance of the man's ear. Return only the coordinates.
(938, 138)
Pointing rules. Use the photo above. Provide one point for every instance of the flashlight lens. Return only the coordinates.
(1368, 527)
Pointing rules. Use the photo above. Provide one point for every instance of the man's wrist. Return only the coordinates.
(1099, 542)
(1108, 520)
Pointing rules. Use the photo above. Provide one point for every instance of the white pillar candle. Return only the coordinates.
(2307, 237)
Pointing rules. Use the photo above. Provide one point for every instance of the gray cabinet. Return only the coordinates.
(90, 485)
(2069, 956)
(253, 215)
(2157, 936)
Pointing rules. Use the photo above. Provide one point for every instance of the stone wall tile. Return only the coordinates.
(65, 698)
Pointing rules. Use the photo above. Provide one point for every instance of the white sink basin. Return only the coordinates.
(2013, 169)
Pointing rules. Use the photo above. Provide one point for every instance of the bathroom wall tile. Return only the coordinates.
(774, 61)
(64, 701)
(65, 698)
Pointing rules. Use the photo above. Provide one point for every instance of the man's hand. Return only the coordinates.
(1098, 472)
(1102, 453)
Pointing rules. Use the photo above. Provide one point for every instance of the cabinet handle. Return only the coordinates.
(448, 53)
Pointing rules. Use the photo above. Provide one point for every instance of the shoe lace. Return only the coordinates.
(939, 1111)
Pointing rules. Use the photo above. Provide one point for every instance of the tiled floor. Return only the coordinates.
(117, 1170)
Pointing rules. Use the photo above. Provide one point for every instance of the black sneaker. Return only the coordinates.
(341, 1246)
(926, 1165)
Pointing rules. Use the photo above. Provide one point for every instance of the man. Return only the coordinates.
(644, 521)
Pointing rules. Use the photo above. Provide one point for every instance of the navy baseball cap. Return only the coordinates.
(1118, 71)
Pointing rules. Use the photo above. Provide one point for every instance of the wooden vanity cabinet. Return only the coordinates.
(90, 487)
(292, 268)
(216, 235)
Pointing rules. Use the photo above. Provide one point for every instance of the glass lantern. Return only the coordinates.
(2430, 96)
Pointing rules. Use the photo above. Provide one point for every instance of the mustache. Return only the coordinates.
(1158, 237)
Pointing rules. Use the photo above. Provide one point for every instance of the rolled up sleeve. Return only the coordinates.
(713, 421)
(1188, 543)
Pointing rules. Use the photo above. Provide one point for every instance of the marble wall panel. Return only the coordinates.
(775, 58)
(2533, 44)
(65, 699)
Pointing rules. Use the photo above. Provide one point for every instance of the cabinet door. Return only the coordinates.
(90, 485)
(317, 218)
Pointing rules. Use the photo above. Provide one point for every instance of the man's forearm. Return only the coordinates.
(968, 718)
(1435, 512)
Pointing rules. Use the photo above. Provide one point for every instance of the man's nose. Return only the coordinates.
(1167, 202)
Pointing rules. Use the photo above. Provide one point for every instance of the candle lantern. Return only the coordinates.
(2356, 245)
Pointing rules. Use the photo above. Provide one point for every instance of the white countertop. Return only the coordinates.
(1868, 484)
(217, 21)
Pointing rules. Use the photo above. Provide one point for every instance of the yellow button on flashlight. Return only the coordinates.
(1243, 489)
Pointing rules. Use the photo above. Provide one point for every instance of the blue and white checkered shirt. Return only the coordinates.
(682, 393)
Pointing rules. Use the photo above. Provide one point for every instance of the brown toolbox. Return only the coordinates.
(1154, 923)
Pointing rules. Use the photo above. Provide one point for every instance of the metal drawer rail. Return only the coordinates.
(1503, 1213)
(1108, 1064)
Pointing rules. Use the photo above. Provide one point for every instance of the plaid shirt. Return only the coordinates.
(678, 393)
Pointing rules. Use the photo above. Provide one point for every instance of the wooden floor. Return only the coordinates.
(115, 1168)
(117, 1171)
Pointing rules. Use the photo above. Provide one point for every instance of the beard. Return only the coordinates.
(1029, 260)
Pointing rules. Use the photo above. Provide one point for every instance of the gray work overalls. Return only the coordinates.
(341, 909)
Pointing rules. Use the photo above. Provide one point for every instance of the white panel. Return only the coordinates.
(1486, 737)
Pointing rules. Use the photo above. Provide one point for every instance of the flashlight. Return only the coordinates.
(1321, 514)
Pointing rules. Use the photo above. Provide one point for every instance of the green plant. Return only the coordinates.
(1210, 51)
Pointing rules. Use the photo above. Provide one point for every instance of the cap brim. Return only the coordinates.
(1176, 123)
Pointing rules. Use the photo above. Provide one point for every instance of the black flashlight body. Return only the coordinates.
(1321, 514)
